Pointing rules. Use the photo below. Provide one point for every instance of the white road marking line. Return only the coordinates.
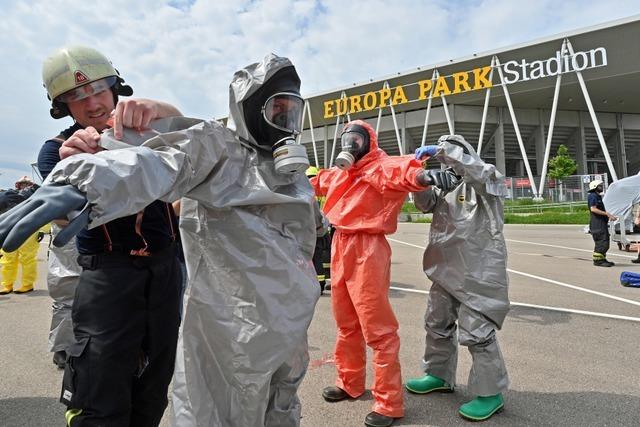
(577, 288)
(542, 307)
(571, 310)
(405, 243)
(566, 247)
(544, 279)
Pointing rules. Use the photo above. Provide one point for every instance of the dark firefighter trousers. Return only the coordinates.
(125, 322)
(601, 240)
(322, 259)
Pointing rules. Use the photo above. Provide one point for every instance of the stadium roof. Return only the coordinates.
(612, 88)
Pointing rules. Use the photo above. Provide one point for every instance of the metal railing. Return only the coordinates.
(540, 208)
(571, 189)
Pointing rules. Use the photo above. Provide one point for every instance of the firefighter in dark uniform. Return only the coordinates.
(125, 312)
(322, 253)
(599, 224)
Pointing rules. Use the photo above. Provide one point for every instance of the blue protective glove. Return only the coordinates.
(49, 202)
(426, 151)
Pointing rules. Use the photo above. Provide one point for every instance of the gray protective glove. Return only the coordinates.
(49, 202)
(445, 180)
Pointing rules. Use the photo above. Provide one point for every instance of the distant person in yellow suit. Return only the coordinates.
(27, 253)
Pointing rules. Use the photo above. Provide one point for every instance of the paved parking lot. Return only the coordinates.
(571, 341)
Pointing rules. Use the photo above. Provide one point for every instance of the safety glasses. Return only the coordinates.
(87, 90)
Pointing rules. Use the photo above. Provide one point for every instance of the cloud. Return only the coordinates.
(185, 51)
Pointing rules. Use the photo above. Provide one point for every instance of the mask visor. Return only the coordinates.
(351, 141)
(283, 111)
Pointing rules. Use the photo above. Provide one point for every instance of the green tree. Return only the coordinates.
(562, 166)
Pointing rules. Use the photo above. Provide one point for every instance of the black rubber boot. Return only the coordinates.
(636, 261)
(603, 263)
(374, 419)
(334, 394)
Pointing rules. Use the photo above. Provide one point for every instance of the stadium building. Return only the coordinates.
(516, 105)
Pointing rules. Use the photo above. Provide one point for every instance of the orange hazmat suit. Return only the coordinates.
(362, 203)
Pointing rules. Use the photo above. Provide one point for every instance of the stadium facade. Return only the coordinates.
(516, 105)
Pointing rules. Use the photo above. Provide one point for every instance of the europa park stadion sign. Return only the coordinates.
(466, 81)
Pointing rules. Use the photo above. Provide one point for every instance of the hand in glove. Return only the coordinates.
(49, 202)
(426, 151)
(445, 180)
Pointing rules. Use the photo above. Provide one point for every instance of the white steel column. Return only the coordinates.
(552, 122)
(486, 107)
(516, 128)
(344, 95)
(498, 142)
(446, 113)
(594, 119)
(325, 163)
(335, 134)
(306, 110)
(395, 122)
(539, 143)
(426, 116)
(385, 84)
(335, 137)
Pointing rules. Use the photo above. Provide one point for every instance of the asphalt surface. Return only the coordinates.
(566, 368)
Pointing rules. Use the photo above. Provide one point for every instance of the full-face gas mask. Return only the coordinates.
(274, 118)
(355, 145)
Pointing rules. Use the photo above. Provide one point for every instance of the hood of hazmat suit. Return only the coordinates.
(467, 253)
(621, 195)
(353, 197)
(248, 234)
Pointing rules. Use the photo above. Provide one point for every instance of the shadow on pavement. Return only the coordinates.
(17, 297)
(30, 411)
(537, 316)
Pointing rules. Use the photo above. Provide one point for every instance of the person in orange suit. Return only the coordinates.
(363, 197)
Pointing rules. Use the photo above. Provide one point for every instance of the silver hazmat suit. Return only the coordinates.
(248, 236)
(62, 279)
(466, 260)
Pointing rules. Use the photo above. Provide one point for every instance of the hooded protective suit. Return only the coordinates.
(363, 203)
(62, 279)
(248, 235)
(467, 261)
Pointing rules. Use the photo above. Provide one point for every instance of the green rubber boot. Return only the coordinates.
(482, 407)
(427, 384)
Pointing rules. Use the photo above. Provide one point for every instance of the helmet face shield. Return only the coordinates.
(283, 111)
(87, 90)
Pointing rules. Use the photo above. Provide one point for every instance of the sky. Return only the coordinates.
(186, 51)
